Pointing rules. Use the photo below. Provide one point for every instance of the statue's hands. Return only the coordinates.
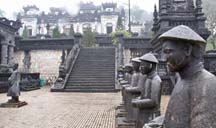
(143, 103)
(153, 125)
(135, 103)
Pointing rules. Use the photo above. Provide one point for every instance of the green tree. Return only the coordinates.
(25, 33)
(140, 15)
(209, 10)
(119, 23)
(71, 33)
(114, 38)
(56, 33)
(88, 38)
(1, 13)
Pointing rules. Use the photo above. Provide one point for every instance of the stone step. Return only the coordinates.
(90, 87)
(97, 73)
(93, 71)
(90, 90)
(91, 78)
(112, 77)
(92, 74)
(90, 84)
(93, 68)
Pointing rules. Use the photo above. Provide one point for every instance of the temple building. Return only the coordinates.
(8, 33)
(101, 19)
(178, 12)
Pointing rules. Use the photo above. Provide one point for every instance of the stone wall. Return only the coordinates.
(127, 56)
(46, 62)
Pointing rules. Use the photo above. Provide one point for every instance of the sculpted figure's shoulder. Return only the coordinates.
(156, 79)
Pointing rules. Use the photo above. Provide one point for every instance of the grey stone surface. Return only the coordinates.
(192, 103)
(61, 110)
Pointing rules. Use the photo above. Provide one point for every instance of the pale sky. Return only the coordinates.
(11, 6)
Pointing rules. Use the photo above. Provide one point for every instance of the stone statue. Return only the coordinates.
(129, 95)
(192, 103)
(136, 71)
(128, 72)
(149, 101)
(14, 90)
(127, 79)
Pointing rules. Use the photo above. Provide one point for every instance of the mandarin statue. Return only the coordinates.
(129, 95)
(14, 89)
(192, 103)
(148, 103)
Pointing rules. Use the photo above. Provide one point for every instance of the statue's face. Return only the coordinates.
(146, 67)
(136, 66)
(128, 69)
(15, 66)
(176, 55)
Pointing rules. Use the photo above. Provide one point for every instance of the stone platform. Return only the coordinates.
(61, 110)
(13, 105)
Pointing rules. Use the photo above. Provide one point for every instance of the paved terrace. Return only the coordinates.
(63, 110)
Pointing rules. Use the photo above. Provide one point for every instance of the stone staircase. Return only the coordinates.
(94, 71)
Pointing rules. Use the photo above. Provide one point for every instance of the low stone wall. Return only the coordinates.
(46, 62)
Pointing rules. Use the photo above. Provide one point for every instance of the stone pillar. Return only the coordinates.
(27, 61)
(11, 52)
(120, 49)
(63, 57)
(4, 52)
(78, 38)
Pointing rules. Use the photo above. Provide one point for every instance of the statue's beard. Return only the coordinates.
(146, 70)
(177, 64)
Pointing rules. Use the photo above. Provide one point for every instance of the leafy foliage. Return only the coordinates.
(71, 33)
(140, 15)
(114, 38)
(1, 13)
(56, 33)
(25, 33)
(88, 38)
(209, 10)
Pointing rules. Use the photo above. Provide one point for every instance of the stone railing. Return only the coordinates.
(66, 67)
(116, 70)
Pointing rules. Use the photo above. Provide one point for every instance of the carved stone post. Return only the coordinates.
(78, 38)
(27, 61)
(11, 52)
(120, 49)
(4, 52)
(63, 57)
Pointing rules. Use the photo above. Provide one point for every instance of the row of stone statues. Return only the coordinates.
(141, 90)
(192, 103)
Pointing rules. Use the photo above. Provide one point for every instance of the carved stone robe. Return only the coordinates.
(193, 101)
(14, 80)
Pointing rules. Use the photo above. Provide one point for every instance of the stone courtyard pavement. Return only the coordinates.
(62, 110)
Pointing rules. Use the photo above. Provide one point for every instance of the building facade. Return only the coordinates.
(8, 34)
(178, 12)
(101, 19)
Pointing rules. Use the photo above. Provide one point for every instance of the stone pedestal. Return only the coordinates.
(120, 118)
(10, 55)
(121, 124)
(13, 105)
(4, 54)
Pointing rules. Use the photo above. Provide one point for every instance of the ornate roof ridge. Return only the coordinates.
(10, 23)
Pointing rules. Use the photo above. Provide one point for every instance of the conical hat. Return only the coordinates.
(182, 32)
(136, 59)
(149, 57)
